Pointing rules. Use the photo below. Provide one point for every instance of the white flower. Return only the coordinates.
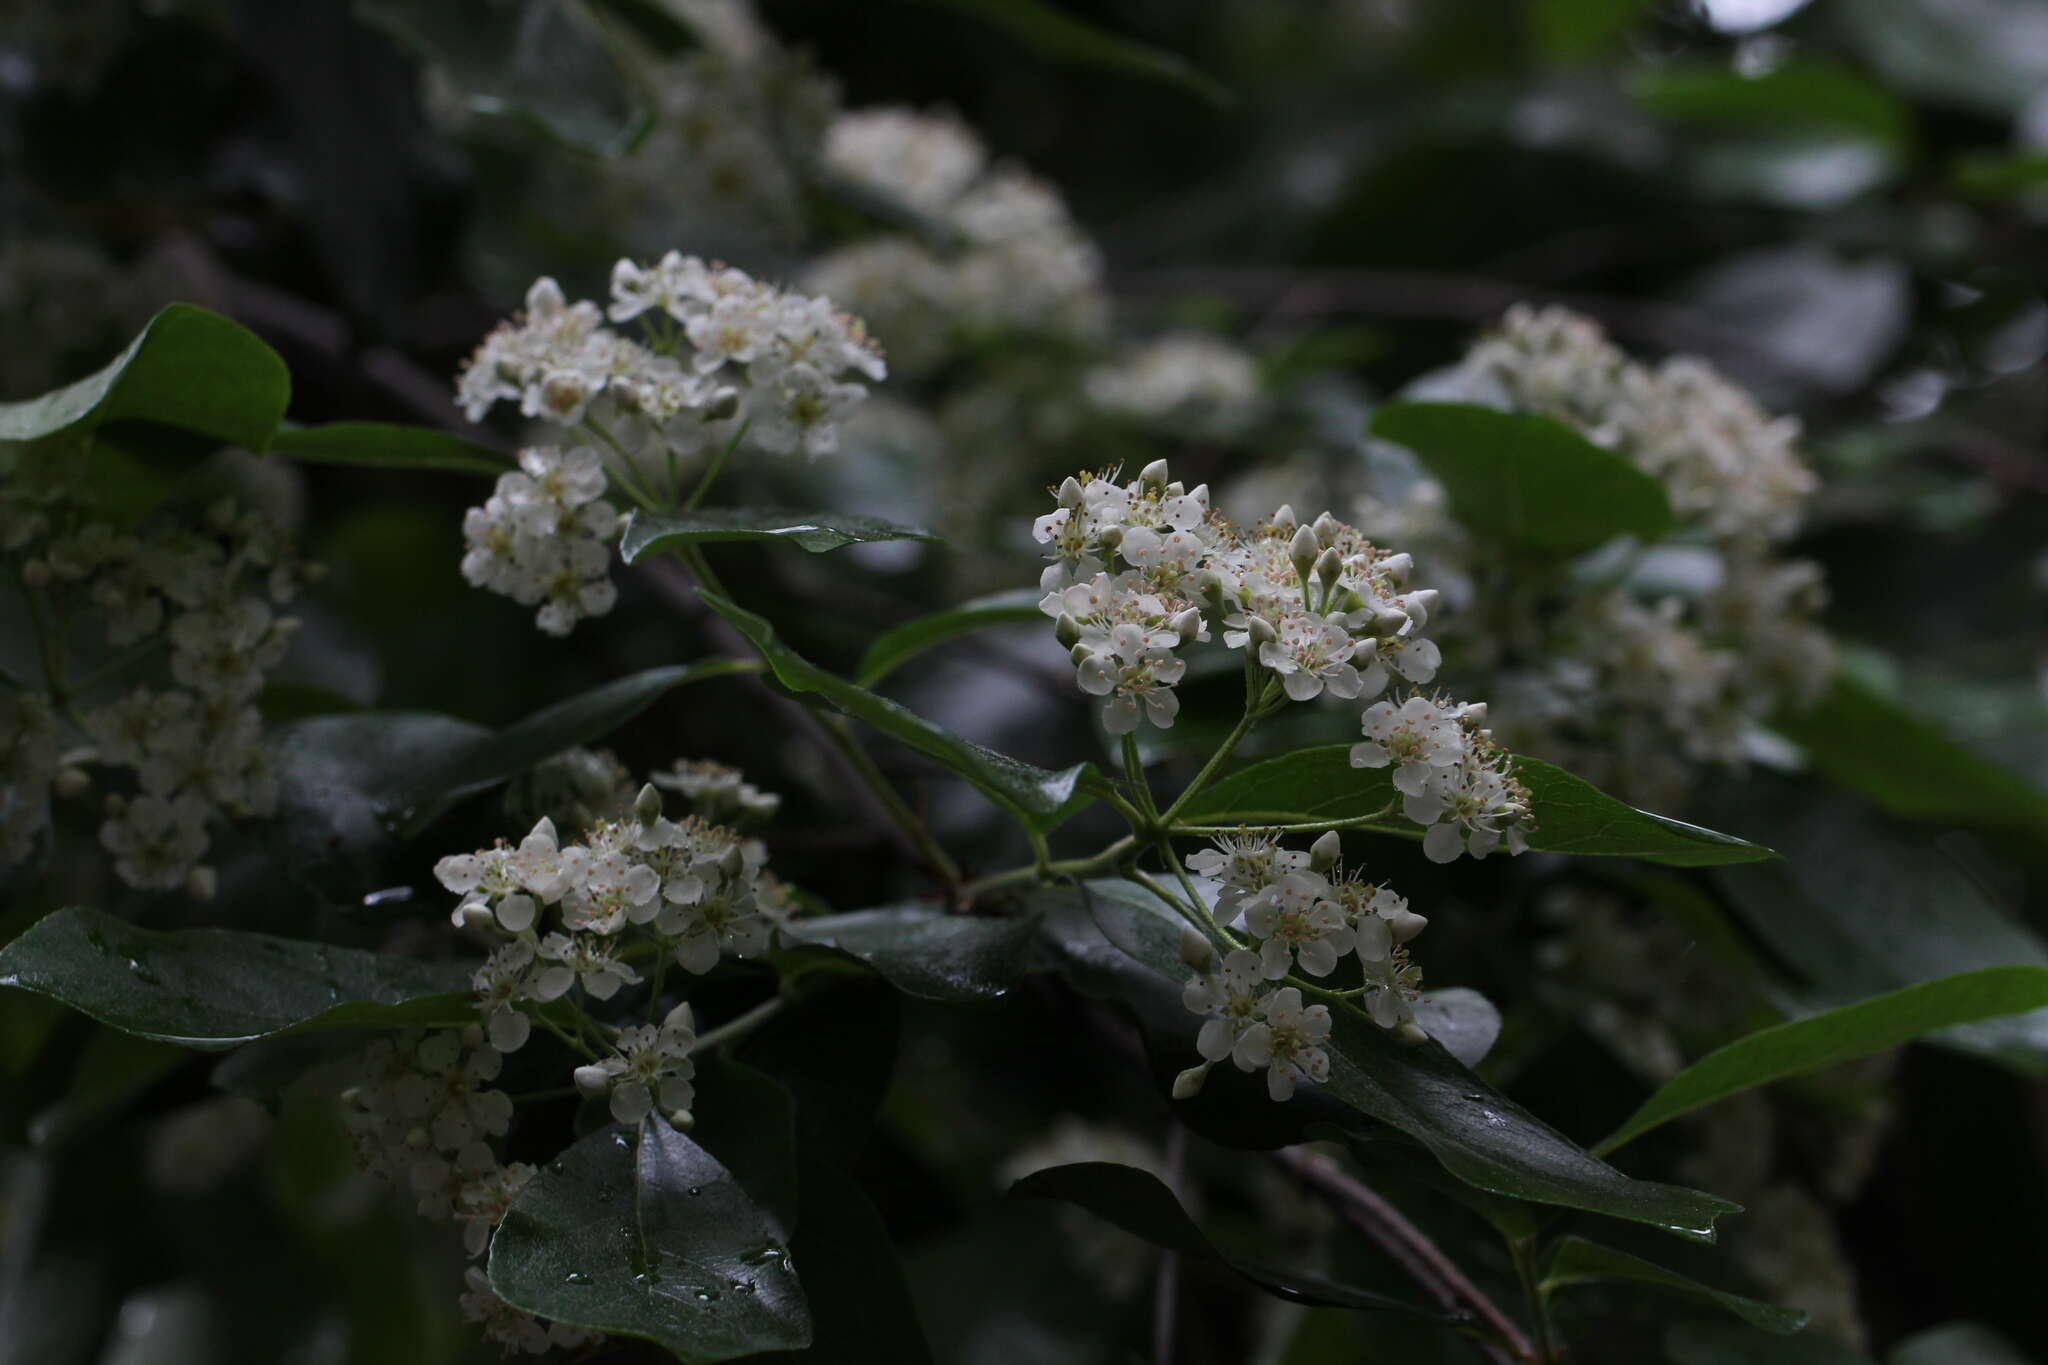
(1287, 1042)
(1310, 655)
(922, 160)
(500, 984)
(649, 1065)
(590, 958)
(1296, 922)
(1130, 671)
(1418, 735)
(1230, 993)
(1246, 863)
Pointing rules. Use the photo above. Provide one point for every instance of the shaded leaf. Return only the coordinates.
(189, 368)
(1574, 1260)
(1572, 816)
(1572, 30)
(1987, 55)
(926, 952)
(1875, 745)
(1139, 1203)
(651, 1238)
(658, 532)
(1480, 1136)
(114, 1070)
(907, 641)
(1696, 1343)
(1036, 796)
(540, 60)
(747, 1121)
(218, 988)
(1997, 175)
(1059, 37)
(1838, 1035)
(1803, 92)
(388, 445)
(1526, 480)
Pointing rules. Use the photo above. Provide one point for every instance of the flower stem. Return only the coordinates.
(1524, 1250)
(716, 467)
(1216, 760)
(1039, 874)
(1306, 827)
(940, 862)
(739, 1025)
(1134, 772)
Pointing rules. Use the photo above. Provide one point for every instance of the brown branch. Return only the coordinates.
(1409, 1246)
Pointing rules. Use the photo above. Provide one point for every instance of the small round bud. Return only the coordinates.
(1325, 851)
(1327, 528)
(202, 883)
(476, 915)
(1196, 950)
(592, 1081)
(647, 805)
(1066, 630)
(1410, 1033)
(1209, 587)
(1200, 493)
(1303, 550)
(1330, 567)
(682, 1120)
(72, 783)
(1187, 624)
(1070, 492)
(1188, 1084)
(1109, 537)
(1079, 654)
(1406, 924)
(1261, 630)
(1283, 520)
(1154, 475)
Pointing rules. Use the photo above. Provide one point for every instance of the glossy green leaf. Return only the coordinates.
(1528, 481)
(388, 445)
(1572, 816)
(1480, 1136)
(925, 952)
(218, 988)
(1800, 94)
(190, 368)
(1875, 745)
(1838, 1035)
(1060, 37)
(544, 61)
(589, 716)
(1036, 796)
(1574, 1260)
(651, 1237)
(907, 641)
(660, 532)
(1139, 1203)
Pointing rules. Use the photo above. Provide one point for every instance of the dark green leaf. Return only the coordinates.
(388, 445)
(834, 1048)
(1320, 785)
(1036, 796)
(1526, 480)
(659, 532)
(1998, 175)
(541, 60)
(926, 952)
(1698, 1343)
(1838, 1035)
(190, 369)
(1140, 1204)
(1572, 30)
(218, 988)
(892, 650)
(490, 759)
(1804, 93)
(1059, 37)
(1574, 1260)
(1888, 752)
(1480, 1136)
(651, 1238)
(747, 1121)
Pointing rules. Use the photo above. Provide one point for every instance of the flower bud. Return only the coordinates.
(1325, 851)
(732, 862)
(1209, 587)
(202, 883)
(1406, 924)
(1079, 654)
(1398, 567)
(1330, 567)
(1109, 537)
(647, 806)
(1070, 492)
(1410, 1033)
(1474, 711)
(1283, 520)
(476, 915)
(73, 782)
(1188, 624)
(592, 1081)
(680, 1018)
(1303, 550)
(682, 1120)
(1195, 950)
(1261, 630)
(1200, 494)
(1066, 630)
(1188, 1084)
(1327, 528)
(1153, 475)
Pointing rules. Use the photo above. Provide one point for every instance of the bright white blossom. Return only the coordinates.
(649, 1067)
(1286, 1042)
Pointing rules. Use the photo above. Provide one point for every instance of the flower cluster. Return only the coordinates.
(205, 596)
(423, 1118)
(1195, 382)
(543, 536)
(1013, 260)
(1299, 911)
(717, 793)
(1453, 779)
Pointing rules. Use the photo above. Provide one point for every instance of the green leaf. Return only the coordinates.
(1140, 1204)
(540, 60)
(661, 532)
(1872, 744)
(1480, 1136)
(907, 641)
(492, 758)
(1037, 797)
(190, 368)
(1800, 94)
(1526, 480)
(1999, 175)
(1059, 37)
(925, 952)
(388, 445)
(1838, 1035)
(747, 1121)
(1574, 30)
(1574, 1260)
(1572, 816)
(219, 988)
(651, 1238)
